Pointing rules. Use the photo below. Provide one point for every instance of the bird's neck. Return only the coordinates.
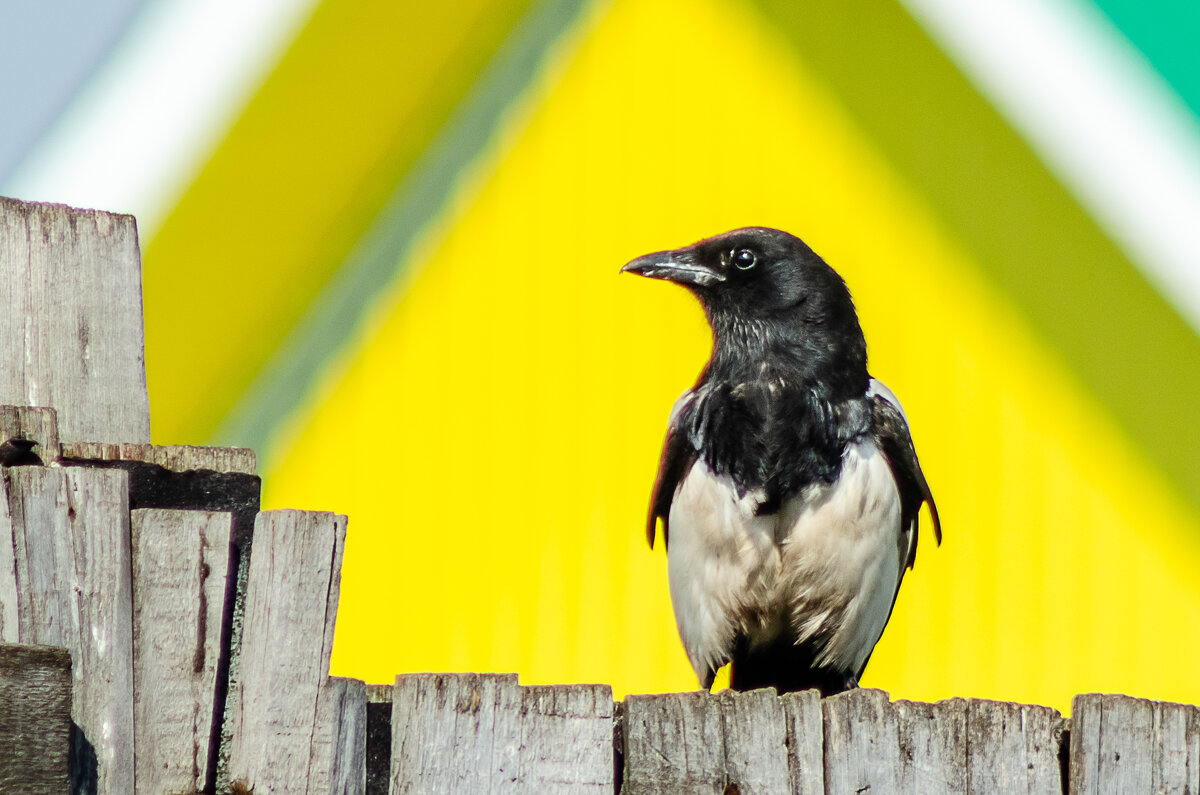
(833, 367)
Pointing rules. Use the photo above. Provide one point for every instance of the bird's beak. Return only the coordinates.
(677, 266)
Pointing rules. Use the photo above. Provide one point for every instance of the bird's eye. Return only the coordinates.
(743, 259)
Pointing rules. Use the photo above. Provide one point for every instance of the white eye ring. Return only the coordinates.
(743, 259)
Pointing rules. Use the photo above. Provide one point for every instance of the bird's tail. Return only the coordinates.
(787, 668)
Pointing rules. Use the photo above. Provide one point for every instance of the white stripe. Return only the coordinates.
(1100, 117)
(150, 118)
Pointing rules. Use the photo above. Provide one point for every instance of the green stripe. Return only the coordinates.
(1167, 32)
(1034, 242)
(287, 381)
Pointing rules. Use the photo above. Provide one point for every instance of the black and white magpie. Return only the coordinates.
(788, 486)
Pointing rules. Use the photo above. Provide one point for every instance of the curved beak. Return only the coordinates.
(674, 266)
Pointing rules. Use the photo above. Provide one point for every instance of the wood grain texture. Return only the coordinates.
(71, 319)
(566, 740)
(449, 732)
(72, 550)
(181, 563)
(176, 458)
(933, 746)
(485, 733)
(31, 423)
(10, 630)
(862, 743)
(805, 741)
(282, 660)
(339, 761)
(35, 719)
(960, 745)
(1013, 747)
(1123, 744)
(697, 742)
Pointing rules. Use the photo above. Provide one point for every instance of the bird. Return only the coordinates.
(788, 486)
(17, 452)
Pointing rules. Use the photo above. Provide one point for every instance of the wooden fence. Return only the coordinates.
(159, 634)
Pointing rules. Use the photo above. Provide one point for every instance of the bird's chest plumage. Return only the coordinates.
(769, 435)
(823, 566)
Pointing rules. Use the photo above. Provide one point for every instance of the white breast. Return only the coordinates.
(829, 560)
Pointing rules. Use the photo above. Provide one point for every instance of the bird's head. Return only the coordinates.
(769, 298)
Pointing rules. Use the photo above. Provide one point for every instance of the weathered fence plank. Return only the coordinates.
(283, 658)
(673, 743)
(697, 742)
(35, 719)
(485, 733)
(805, 741)
(71, 319)
(449, 732)
(28, 424)
(933, 746)
(566, 740)
(960, 745)
(10, 629)
(72, 550)
(862, 743)
(176, 458)
(1013, 747)
(339, 761)
(1123, 744)
(181, 562)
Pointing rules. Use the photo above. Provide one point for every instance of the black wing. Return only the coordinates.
(677, 457)
(891, 434)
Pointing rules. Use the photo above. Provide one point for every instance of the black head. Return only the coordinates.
(770, 299)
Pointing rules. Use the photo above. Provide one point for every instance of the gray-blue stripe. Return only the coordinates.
(376, 262)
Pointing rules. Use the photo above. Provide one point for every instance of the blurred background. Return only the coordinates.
(381, 243)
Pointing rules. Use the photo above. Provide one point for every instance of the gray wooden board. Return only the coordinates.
(72, 550)
(71, 319)
(566, 740)
(176, 458)
(485, 733)
(1013, 747)
(287, 636)
(933, 746)
(960, 745)
(862, 743)
(31, 423)
(698, 742)
(1122, 744)
(180, 566)
(35, 719)
(339, 760)
(10, 631)
(805, 741)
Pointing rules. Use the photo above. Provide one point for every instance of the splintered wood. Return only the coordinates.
(278, 738)
(71, 319)
(176, 458)
(70, 532)
(181, 562)
(747, 743)
(486, 733)
(960, 745)
(1123, 744)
